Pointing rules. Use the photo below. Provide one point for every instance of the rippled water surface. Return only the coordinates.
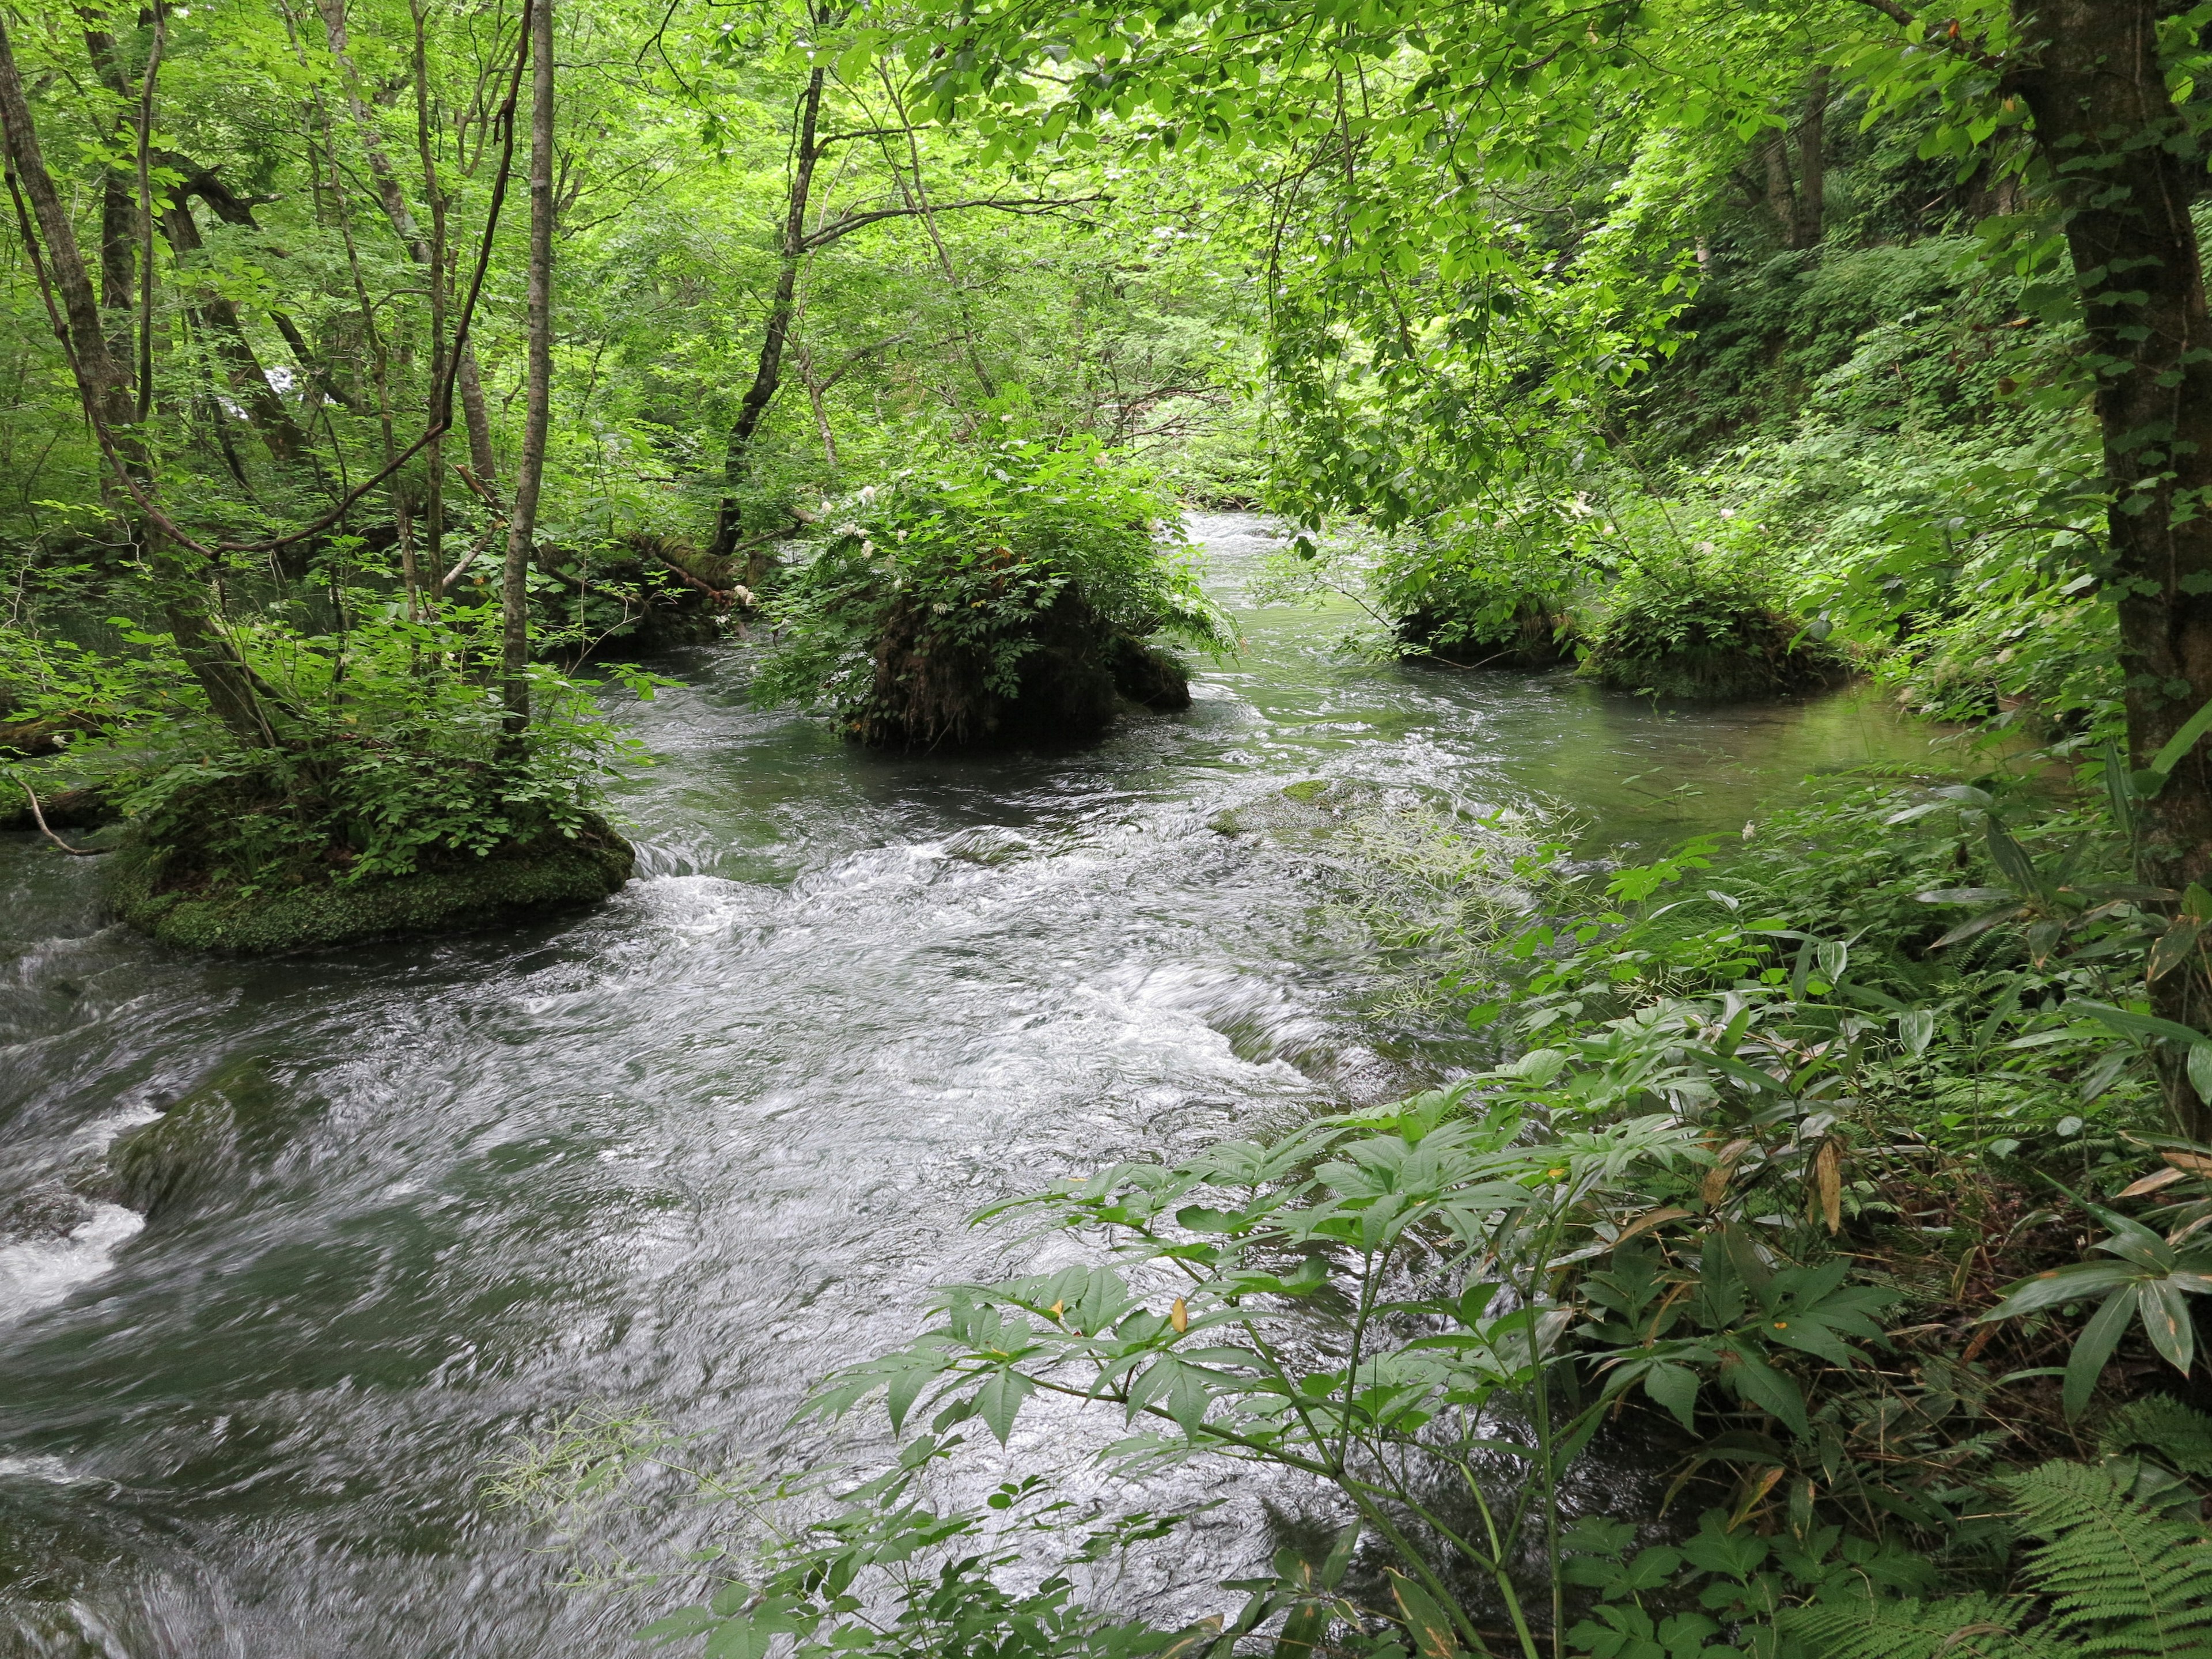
(684, 1153)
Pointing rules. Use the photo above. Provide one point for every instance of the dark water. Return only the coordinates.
(686, 1153)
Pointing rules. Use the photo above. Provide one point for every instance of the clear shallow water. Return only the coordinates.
(686, 1153)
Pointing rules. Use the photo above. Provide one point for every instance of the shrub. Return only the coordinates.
(997, 595)
(1704, 628)
(1481, 594)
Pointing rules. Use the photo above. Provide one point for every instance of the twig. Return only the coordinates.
(39, 818)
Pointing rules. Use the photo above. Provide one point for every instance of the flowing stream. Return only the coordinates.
(683, 1154)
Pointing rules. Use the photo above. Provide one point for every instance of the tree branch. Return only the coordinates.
(853, 221)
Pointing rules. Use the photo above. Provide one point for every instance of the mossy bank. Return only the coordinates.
(514, 883)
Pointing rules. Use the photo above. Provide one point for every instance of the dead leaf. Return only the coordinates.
(1828, 1184)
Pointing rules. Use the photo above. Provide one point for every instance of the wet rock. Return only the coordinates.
(49, 1211)
(1146, 675)
(202, 1141)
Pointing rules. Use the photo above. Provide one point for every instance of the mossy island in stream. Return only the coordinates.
(346, 840)
(1710, 635)
(378, 795)
(1014, 594)
(1644, 607)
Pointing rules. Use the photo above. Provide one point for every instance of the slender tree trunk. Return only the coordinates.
(475, 415)
(530, 473)
(106, 390)
(1812, 163)
(434, 457)
(769, 373)
(821, 412)
(117, 214)
(2126, 167)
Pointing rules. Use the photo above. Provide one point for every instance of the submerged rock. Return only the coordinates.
(202, 1141)
(517, 883)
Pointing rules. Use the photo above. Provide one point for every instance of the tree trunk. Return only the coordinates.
(2126, 167)
(1812, 163)
(475, 415)
(769, 375)
(118, 215)
(1781, 195)
(529, 474)
(222, 675)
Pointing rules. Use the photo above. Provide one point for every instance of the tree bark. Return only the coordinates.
(225, 678)
(2125, 167)
(118, 215)
(529, 472)
(1812, 163)
(1781, 194)
(768, 373)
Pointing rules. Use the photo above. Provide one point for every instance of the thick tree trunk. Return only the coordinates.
(1813, 164)
(222, 675)
(530, 473)
(1781, 194)
(2126, 167)
(769, 373)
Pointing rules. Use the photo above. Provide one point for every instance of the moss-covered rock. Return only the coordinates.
(931, 692)
(1536, 635)
(201, 1142)
(517, 883)
(1145, 674)
(1713, 651)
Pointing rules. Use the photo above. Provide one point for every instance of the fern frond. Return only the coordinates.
(1958, 1627)
(2161, 1425)
(2123, 1581)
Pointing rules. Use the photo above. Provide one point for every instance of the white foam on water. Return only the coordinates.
(36, 1469)
(37, 1272)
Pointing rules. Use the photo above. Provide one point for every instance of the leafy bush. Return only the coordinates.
(1700, 623)
(1002, 594)
(385, 761)
(1499, 593)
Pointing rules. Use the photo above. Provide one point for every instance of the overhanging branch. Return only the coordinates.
(850, 222)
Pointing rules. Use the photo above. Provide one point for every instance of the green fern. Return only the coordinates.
(2165, 1429)
(1959, 1627)
(2122, 1580)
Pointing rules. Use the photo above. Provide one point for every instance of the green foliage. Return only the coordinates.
(984, 593)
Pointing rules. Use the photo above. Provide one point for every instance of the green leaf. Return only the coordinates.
(2182, 741)
(2165, 1313)
(684, 1621)
(1771, 1391)
(2055, 1286)
(2135, 1025)
(999, 1400)
(1339, 1556)
(1675, 1387)
(2200, 1070)
(2092, 1348)
(1433, 1635)
(2173, 946)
